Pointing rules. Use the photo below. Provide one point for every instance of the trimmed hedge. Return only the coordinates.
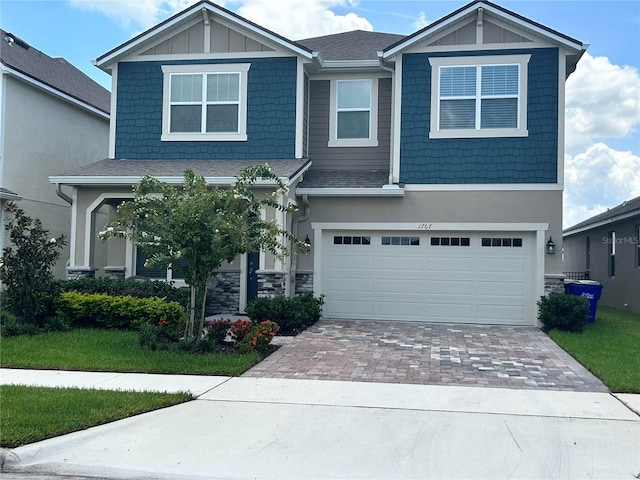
(102, 310)
(293, 315)
(122, 288)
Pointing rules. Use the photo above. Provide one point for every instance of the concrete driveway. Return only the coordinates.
(429, 354)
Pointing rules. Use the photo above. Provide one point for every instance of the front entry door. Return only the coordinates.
(253, 263)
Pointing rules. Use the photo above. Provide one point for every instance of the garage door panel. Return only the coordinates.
(351, 308)
(356, 285)
(350, 263)
(399, 286)
(501, 288)
(409, 309)
(501, 265)
(451, 264)
(503, 314)
(454, 286)
(404, 263)
(430, 282)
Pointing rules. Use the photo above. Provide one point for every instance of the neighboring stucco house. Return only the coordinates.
(607, 247)
(428, 169)
(52, 118)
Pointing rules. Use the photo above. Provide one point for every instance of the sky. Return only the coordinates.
(602, 153)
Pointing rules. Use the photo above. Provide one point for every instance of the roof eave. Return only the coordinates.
(105, 61)
(552, 35)
(601, 223)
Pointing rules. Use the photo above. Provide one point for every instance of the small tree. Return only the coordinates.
(202, 226)
(25, 270)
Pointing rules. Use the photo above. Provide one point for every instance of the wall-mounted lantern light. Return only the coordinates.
(551, 247)
(307, 241)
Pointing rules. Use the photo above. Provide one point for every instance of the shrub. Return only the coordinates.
(563, 312)
(131, 288)
(25, 269)
(292, 314)
(12, 326)
(258, 338)
(98, 309)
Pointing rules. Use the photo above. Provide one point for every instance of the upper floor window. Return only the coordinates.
(611, 240)
(479, 96)
(205, 102)
(354, 113)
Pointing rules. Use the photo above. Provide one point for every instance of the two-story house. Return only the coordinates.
(53, 118)
(428, 169)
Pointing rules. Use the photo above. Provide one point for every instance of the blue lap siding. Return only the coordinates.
(270, 114)
(531, 159)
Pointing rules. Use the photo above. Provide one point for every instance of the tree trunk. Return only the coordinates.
(204, 306)
(192, 313)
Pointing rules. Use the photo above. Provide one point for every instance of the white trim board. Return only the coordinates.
(470, 187)
(429, 227)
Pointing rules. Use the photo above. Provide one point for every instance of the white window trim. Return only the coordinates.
(240, 136)
(437, 62)
(334, 141)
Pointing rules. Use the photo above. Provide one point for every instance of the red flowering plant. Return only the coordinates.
(259, 337)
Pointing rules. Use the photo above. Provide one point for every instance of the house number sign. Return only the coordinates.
(425, 226)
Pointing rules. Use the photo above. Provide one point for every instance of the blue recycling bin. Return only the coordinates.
(589, 289)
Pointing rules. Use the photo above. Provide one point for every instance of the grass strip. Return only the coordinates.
(609, 348)
(113, 351)
(31, 414)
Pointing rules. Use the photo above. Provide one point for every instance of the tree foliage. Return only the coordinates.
(202, 226)
(25, 270)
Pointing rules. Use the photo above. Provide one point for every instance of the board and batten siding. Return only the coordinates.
(353, 158)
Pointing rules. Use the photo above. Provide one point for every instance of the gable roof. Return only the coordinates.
(354, 45)
(626, 209)
(508, 16)
(56, 73)
(181, 19)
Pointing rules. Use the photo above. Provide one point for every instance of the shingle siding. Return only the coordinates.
(270, 115)
(480, 160)
(327, 157)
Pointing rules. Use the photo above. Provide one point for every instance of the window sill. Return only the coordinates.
(495, 133)
(359, 142)
(200, 137)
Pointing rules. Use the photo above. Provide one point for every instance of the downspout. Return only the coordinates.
(393, 95)
(294, 231)
(69, 200)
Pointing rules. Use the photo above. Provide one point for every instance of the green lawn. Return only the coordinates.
(31, 414)
(112, 351)
(610, 348)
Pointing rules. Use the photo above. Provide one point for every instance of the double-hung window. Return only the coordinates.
(354, 113)
(205, 102)
(479, 96)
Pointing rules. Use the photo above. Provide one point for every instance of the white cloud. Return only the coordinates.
(602, 101)
(420, 22)
(138, 13)
(598, 179)
(297, 19)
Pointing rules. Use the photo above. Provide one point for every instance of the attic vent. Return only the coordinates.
(11, 39)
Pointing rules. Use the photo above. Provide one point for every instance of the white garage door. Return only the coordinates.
(459, 277)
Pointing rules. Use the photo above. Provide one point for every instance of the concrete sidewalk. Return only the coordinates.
(301, 429)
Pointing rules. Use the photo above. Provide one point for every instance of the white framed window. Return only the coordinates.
(205, 102)
(353, 116)
(479, 96)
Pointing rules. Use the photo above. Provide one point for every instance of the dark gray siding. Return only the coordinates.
(369, 158)
(621, 291)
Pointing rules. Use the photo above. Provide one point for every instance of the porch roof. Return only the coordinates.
(123, 171)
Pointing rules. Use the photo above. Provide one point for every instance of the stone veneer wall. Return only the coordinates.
(115, 273)
(74, 273)
(224, 293)
(553, 283)
(304, 282)
(271, 283)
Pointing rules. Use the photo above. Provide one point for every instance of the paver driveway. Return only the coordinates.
(426, 353)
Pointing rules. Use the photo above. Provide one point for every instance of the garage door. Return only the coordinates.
(457, 277)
